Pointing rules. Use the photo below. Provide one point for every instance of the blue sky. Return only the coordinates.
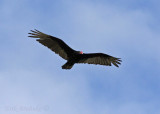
(31, 78)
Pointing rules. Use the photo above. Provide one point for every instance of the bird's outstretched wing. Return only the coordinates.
(53, 43)
(99, 58)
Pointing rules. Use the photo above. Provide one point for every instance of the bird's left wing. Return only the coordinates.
(55, 44)
(99, 58)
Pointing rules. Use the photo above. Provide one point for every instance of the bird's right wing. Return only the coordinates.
(53, 43)
(99, 58)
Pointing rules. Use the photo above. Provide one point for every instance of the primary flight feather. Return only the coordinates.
(72, 56)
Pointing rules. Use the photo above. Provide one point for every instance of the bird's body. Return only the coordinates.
(72, 56)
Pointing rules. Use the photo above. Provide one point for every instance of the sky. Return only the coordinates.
(31, 78)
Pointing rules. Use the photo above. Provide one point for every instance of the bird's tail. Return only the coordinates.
(67, 65)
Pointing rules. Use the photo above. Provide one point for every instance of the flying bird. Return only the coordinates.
(72, 56)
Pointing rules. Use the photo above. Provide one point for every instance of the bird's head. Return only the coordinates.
(80, 52)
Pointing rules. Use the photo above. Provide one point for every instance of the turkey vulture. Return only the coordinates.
(72, 56)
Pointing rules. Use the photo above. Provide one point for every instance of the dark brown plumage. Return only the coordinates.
(72, 56)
